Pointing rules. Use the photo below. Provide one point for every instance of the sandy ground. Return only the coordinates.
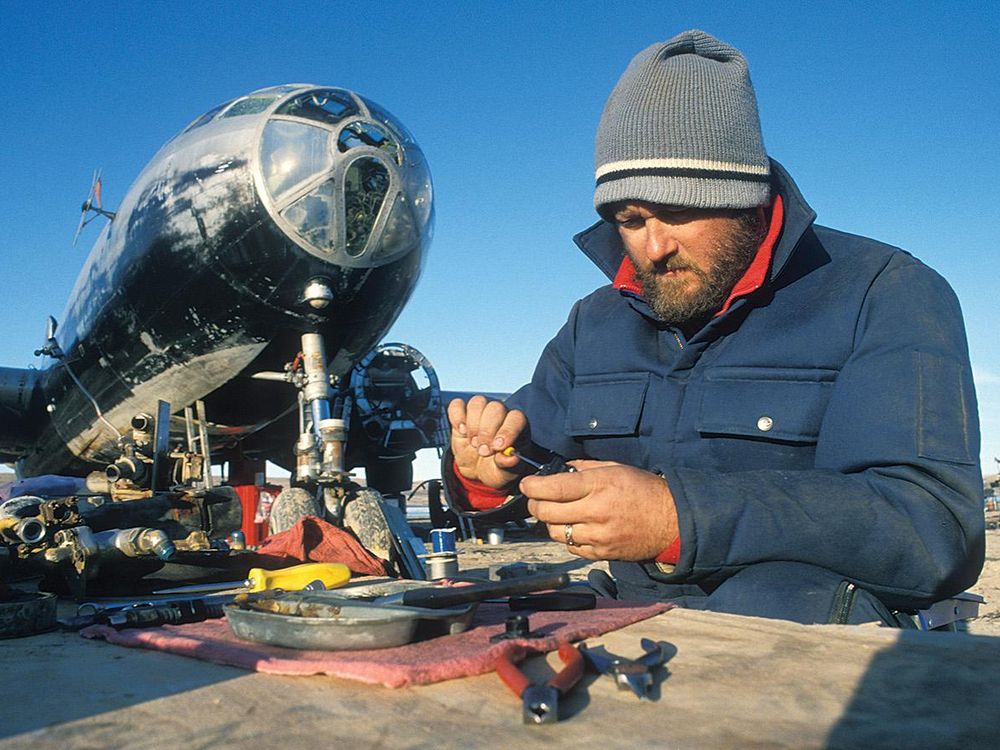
(988, 586)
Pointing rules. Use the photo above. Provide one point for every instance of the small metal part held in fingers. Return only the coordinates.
(556, 465)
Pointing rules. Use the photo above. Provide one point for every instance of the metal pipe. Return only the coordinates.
(30, 530)
(142, 423)
(333, 434)
(126, 468)
(317, 384)
(305, 458)
(139, 542)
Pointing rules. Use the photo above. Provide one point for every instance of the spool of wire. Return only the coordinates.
(442, 565)
(443, 540)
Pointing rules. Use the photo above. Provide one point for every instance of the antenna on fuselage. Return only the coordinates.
(93, 197)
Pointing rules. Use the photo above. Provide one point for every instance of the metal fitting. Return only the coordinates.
(128, 468)
(30, 530)
(20, 520)
(317, 385)
(305, 457)
(333, 432)
(318, 294)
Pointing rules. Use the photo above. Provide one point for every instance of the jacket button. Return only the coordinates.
(764, 424)
(592, 422)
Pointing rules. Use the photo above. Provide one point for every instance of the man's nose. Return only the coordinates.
(661, 241)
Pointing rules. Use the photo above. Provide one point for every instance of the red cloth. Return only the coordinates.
(671, 554)
(436, 660)
(312, 539)
(478, 495)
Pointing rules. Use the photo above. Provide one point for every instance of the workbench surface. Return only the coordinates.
(734, 682)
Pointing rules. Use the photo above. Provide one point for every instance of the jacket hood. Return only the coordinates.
(601, 243)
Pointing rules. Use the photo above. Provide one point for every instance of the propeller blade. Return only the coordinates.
(95, 192)
(79, 227)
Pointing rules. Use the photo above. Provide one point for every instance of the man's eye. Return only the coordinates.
(676, 214)
(629, 222)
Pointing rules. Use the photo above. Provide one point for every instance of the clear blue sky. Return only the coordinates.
(886, 117)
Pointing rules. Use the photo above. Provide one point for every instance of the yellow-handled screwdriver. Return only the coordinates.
(555, 465)
(295, 578)
(510, 451)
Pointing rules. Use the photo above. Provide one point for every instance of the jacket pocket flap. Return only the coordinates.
(602, 405)
(765, 406)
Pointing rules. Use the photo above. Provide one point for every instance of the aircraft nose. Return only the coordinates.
(340, 181)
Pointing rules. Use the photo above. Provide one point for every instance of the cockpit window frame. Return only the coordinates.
(209, 116)
(395, 161)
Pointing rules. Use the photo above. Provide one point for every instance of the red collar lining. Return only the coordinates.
(751, 281)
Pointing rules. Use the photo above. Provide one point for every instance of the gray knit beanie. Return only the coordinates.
(681, 128)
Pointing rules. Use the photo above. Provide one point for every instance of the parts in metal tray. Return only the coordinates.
(344, 620)
(371, 616)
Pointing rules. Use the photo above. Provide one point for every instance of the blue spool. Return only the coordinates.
(443, 540)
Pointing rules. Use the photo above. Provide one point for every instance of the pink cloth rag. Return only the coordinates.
(435, 660)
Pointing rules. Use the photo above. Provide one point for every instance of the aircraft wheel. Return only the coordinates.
(363, 516)
(392, 478)
(289, 506)
(225, 517)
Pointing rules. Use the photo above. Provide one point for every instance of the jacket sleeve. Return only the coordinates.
(541, 400)
(544, 399)
(894, 502)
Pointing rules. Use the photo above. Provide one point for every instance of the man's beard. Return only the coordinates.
(667, 296)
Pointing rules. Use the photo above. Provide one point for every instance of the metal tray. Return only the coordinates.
(344, 625)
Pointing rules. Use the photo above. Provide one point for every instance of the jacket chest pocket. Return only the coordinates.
(781, 405)
(606, 406)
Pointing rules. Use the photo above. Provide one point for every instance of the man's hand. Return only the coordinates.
(480, 430)
(618, 512)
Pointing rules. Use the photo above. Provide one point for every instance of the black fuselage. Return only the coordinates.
(198, 282)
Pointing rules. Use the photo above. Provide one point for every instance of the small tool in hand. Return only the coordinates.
(553, 466)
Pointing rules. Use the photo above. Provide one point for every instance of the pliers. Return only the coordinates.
(541, 701)
(630, 674)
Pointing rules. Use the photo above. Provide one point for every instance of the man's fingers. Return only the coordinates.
(473, 413)
(578, 535)
(551, 512)
(583, 464)
(512, 424)
(456, 416)
(481, 429)
(490, 419)
(563, 487)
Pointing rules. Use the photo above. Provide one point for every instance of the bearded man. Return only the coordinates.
(765, 416)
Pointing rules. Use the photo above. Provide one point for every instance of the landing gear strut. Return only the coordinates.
(322, 485)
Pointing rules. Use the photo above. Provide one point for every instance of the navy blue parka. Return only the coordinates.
(828, 418)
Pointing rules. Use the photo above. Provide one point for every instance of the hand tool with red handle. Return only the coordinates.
(541, 701)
